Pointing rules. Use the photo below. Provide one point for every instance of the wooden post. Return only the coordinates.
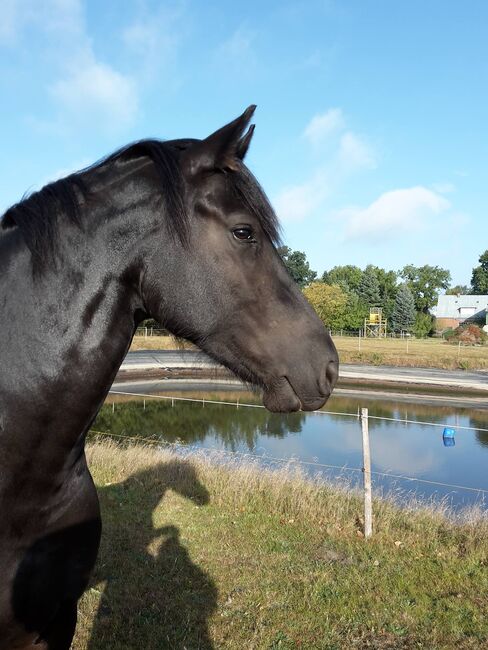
(368, 510)
(359, 340)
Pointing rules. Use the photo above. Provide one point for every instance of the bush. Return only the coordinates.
(423, 326)
(470, 334)
(448, 333)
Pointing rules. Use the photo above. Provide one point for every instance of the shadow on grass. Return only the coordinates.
(154, 596)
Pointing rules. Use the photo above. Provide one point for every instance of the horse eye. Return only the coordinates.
(243, 233)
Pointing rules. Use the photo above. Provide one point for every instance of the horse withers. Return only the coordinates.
(179, 231)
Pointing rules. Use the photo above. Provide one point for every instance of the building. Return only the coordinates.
(451, 311)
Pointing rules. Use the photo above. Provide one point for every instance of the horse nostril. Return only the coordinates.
(329, 377)
(332, 372)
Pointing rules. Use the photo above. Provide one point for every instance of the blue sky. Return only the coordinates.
(371, 136)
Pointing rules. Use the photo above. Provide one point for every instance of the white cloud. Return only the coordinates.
(296, 202)
(9, 22)
(152, 40)
(324, 124)
(86, 90)
(94, 89)
(444, 188)
(237, 54)
(355, 153)
(348, 154)
(62, 16)
(395, 212)
(238, 44)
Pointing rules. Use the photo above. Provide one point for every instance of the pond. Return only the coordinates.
(328, 443)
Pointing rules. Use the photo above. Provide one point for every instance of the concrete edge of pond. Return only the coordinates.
(154, 383)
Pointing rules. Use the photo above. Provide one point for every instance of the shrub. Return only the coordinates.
(469, 334)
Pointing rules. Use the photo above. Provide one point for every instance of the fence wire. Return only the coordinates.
(319, 412)
(342, 468)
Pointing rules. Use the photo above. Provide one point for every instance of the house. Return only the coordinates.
(451, 311)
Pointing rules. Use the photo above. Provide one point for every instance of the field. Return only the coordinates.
(427, 353)
(198, 554)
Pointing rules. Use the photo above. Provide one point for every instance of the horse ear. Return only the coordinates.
(222, 149)
(244, 142)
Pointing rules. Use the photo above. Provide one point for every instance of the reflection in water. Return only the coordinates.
(192, 422)
(413, 449)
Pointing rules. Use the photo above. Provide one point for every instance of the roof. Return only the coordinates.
(458, 306)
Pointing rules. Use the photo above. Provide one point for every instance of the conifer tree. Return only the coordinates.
(369, 288)
(403, 316)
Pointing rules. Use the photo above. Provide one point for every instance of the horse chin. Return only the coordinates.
(281, 398)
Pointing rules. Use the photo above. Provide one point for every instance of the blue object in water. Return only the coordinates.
(448, 437)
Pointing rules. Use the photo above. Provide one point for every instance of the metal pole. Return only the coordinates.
(368, 509)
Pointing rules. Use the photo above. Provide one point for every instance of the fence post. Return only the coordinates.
(368, 511)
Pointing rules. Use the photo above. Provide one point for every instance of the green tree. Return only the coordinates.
(369, 288)
(329, 301)
(479, 279)
(297, 266)
(355, 313)
(347, 277)
(388, 287)
(403, 315)
(425, 282)
(424, 325)
(461, 289)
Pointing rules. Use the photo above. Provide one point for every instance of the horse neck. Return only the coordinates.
(66, 331)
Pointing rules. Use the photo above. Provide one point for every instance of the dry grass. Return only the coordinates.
(201, 553)
(428, 353)
(160, 343)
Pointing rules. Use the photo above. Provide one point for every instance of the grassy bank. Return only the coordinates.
(427, 353)
(198, 554)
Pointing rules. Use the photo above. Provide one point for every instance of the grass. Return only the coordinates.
(427, 353)
(200, 553)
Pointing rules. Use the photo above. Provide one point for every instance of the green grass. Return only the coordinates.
(201, 554)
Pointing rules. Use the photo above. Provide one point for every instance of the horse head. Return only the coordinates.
(224, 286)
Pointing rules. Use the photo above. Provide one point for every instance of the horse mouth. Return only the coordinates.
(281, 397)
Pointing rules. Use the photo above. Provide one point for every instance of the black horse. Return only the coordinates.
(179, 231)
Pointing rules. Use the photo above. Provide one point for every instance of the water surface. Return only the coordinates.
(415, 449)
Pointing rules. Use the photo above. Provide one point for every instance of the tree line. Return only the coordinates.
(344, 294)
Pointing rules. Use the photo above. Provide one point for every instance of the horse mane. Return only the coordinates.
(38, 215)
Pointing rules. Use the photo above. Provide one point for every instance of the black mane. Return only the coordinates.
(38, 215)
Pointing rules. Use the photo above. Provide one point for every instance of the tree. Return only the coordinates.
(355, 313)
(297, 266)
(425, 282)
(369, 288)
(461, 289)
(424, 325)
(329, 301)
(403, 315)
(347, 277)
(479, 279)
